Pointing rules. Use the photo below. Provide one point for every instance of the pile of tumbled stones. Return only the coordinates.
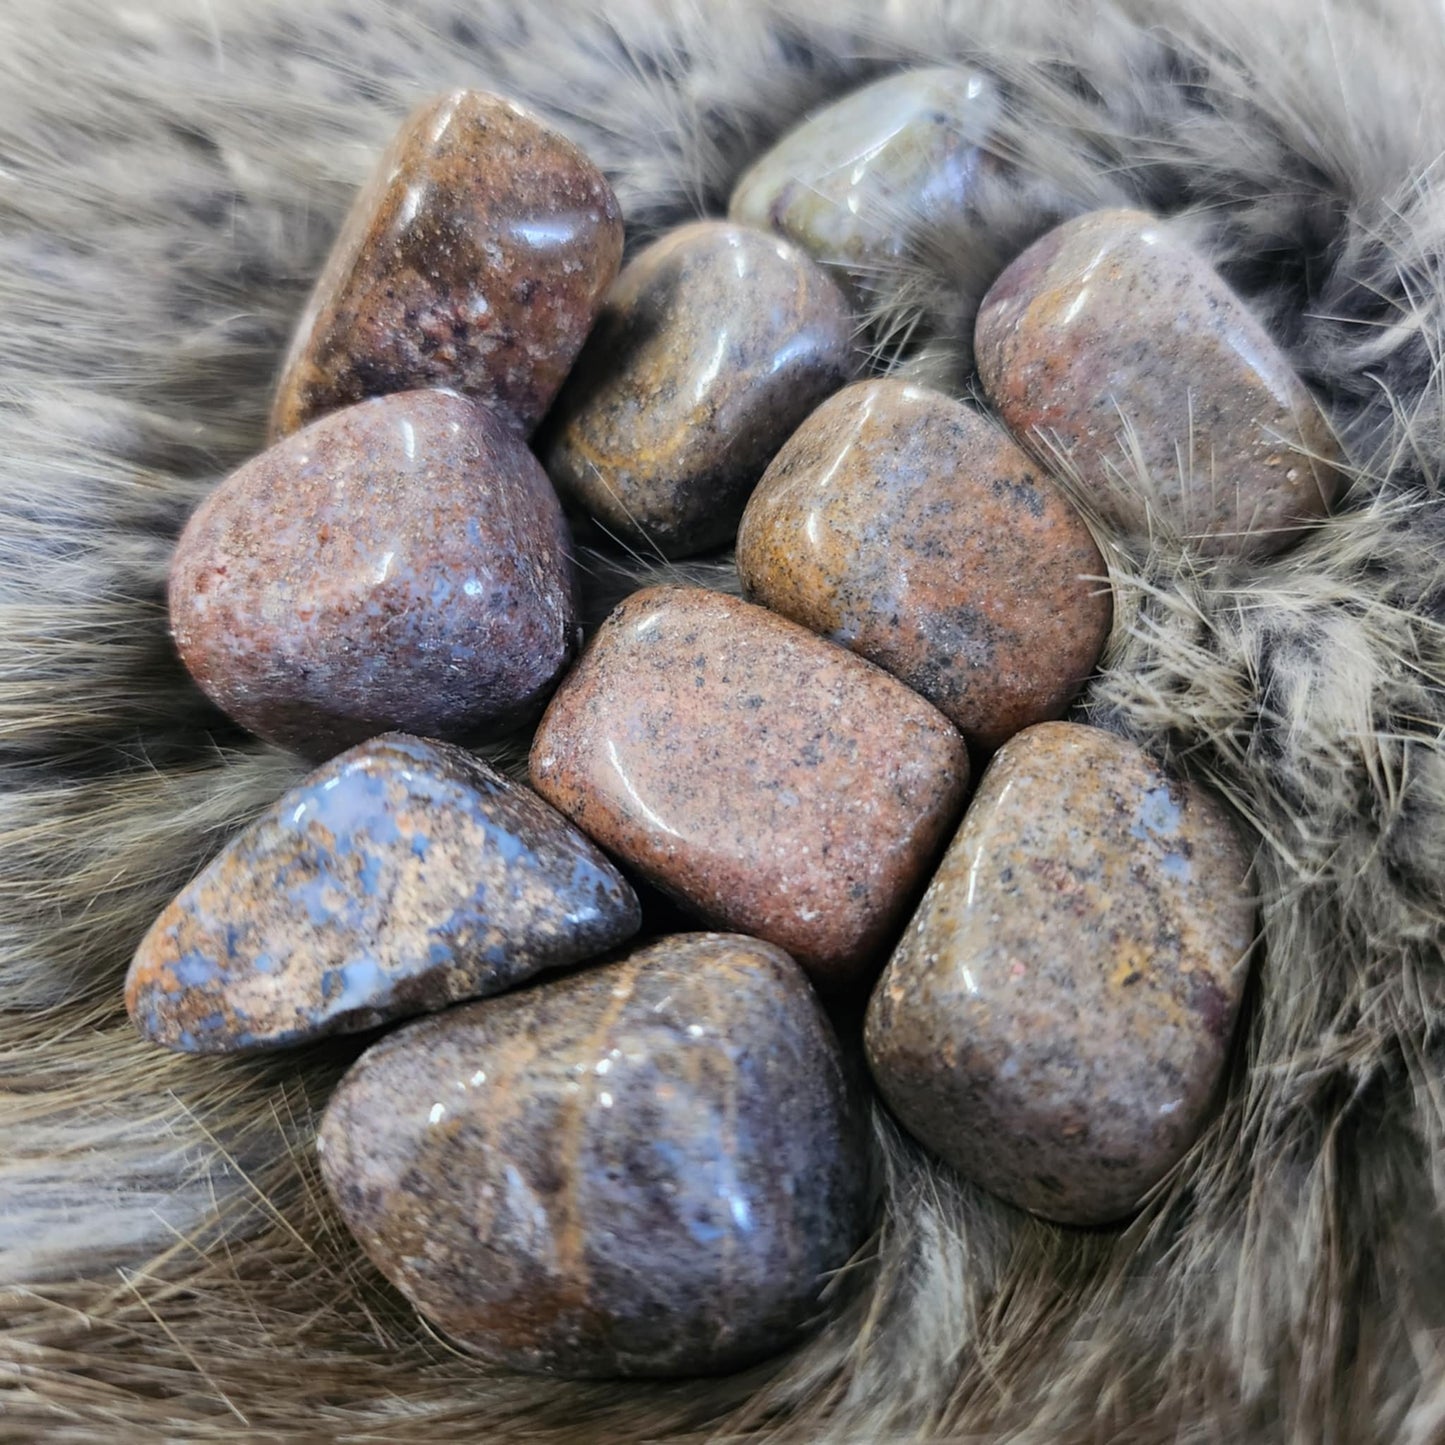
(653, 1165)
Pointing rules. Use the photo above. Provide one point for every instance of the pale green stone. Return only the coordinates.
(855, 179)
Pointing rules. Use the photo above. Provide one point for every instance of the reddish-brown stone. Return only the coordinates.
(403, 875)
(476, 257)
(1116, 343)
(771, 782)
(1056, 1018)
(402, 564)
(647, 1168)
(907, 527)
(714, 344)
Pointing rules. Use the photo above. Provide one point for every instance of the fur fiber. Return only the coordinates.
(171, 173)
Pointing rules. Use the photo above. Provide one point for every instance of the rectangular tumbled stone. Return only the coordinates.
(773, 783)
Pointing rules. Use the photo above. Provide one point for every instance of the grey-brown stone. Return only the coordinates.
(1055, 1021)
(402, 876)
(1113, 344)
(859, 178)
(646, 1168)
(714, 344)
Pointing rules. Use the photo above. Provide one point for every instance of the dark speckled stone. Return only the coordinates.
(767, 780)
(715, 343)
(475, 258)
(1055, 1021)
(905, 526)
(648, 1168)
(402, 876)
(403, 563)
(1114, 342)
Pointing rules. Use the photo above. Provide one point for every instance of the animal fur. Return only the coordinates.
(171, 172)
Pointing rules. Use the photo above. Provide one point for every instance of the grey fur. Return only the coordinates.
(170, 176)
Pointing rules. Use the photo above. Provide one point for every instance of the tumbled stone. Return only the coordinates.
(475, 258)
(648, 1168)
(859, 177)
(403, 563)
(1112, 343)
(714, 344)
(907, 527)
(1056, 1018)
(402, 876)
(770, 782)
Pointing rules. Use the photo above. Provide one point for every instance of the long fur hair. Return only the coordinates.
(171, 174)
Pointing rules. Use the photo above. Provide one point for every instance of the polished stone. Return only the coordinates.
(1112, 343)
(403, 563)
(647, 1168)
(770, 782)
(715, 343)
(857, 179)
(475, 258)
(907, 527)
(1056, 1019)
(400, 877)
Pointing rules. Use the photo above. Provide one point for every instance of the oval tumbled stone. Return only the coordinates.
(647, 1168)
(476, 258)
(714, 344)
(858, 177)
(403, 563)
(1114, 344)
(909, 528)
(1056, 1018)
(402, 876)
(770, 782)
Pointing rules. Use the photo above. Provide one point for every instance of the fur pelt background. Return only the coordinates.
(171, 174)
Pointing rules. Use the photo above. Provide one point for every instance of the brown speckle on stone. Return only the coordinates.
(767, 780)
(1114, 342)
(403, 563)
(1055, 1020)
(476, 258)
(904, 525)
(647, 1168)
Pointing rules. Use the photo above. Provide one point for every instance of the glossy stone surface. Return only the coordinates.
(770, 782)
(475, 258)
(715, 343)
(858, 177)
(403, 563)
(402, 876)
(1110, 320)
(646, 1168)
(907, 527)
(1056, 1018)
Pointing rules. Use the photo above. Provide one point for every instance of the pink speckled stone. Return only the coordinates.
(400, 564)
(1055, 1021)
(771, 782)
(1111, 320)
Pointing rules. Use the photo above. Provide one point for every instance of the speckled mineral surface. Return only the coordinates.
(1118, 345)
(1056, 1019)
(769, 781)
(403, 563)
(907, 527)
(646, 1168)
(402, 876)
(475, 258)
